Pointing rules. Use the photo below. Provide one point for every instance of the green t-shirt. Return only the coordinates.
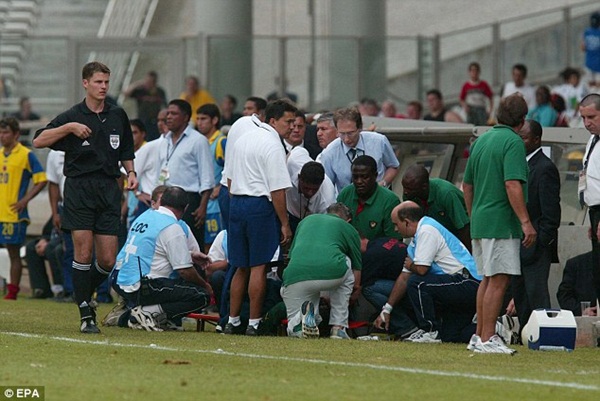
(375, 219)
(319, 250)
(497, 156)
(447, 205)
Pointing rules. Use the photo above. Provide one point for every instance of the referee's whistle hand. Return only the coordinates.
(80, 130)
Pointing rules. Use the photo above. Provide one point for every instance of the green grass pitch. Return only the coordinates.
(40, 345)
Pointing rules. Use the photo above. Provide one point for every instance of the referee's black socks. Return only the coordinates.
(97, 277)
(81, 282)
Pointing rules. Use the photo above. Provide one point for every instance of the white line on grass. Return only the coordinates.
(576, 386)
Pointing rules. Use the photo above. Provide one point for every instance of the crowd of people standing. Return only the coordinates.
(279, 191)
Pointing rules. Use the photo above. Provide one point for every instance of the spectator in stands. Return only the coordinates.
(558, 103)
(476, 97)
(591, 46)
(543, 113)
(49, 248)
(369, 203)
(440, 200)
(20, 166)
(368, 107)
(577, 285)
(150, 99)
(572, 90)
(388, 109)
(255, 105)
(518, 84)
(228, 113)
(325, 256)
(155, 270)
(311, 191)
(195, 95)
(25, 114)
(443, 282)
(207, 121)
(353, 142)
(437, 109)
(414, 110)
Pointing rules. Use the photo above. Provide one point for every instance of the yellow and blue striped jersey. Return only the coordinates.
(16, 171)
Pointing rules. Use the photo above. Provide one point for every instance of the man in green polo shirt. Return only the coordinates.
(440, 200)
(371, 204)
(325, 256)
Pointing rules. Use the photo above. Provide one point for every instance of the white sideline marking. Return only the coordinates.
(576, 386)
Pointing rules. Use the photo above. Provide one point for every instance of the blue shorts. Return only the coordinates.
(13, 233)
(254, 231)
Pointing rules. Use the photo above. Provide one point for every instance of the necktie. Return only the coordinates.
(352, 154)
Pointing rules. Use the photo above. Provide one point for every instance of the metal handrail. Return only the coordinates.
(130, 19)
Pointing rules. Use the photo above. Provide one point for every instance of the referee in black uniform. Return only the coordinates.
(95, 136)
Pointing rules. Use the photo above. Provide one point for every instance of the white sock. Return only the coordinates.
(235, 320)
(254, 322)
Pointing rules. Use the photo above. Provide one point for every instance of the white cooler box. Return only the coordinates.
(550, 329)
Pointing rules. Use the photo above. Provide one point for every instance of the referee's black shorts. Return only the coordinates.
(92, 202)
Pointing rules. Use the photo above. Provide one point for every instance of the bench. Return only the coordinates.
(202, 319)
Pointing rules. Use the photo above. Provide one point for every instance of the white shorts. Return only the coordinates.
(497, 256)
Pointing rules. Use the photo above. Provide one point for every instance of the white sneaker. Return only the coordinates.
(142, 320)
(473, 342)
(309, 324)
(422, 336)
(493, 346)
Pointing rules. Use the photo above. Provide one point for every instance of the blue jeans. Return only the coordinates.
(402, 321)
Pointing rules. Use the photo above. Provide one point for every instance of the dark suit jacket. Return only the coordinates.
(577, 284)
(543, 205)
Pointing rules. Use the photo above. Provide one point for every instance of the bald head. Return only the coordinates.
(406, 218)
(409, 210)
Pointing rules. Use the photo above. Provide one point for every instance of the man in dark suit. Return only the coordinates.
(577, 285)
(530, 290)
